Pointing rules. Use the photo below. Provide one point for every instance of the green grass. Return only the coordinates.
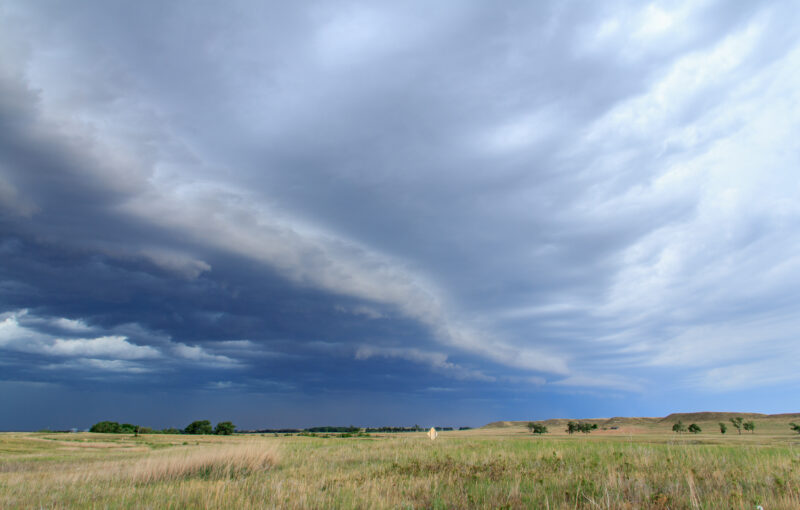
(482, 469)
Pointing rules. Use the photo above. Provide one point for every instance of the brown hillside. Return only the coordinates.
(502, 424)
(622, 421)
(711, 416)
(793, 416)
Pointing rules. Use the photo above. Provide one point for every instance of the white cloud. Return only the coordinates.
(179, 263)
(106, 365)
(688, 78)
(199, 354)
(749, 375)
(434, 360)
(14, 336)
(77, 326)
(107, 346)
(107, 352)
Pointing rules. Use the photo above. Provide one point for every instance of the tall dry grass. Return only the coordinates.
(215, 462)
(212, 463)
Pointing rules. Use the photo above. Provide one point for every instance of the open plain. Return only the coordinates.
(638, 464)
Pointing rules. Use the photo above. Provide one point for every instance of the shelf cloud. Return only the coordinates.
(572, 206)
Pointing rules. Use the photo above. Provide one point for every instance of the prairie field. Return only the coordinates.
(502, 466)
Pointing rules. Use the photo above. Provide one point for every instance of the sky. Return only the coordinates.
(289, 214)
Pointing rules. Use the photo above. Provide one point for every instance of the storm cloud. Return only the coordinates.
(314, 208)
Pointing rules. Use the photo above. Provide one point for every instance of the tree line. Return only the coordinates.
(572, 427)
(228, 428)
(351, 429)
(223, 428)
(738, 423)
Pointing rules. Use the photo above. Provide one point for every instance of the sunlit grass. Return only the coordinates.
(458, 470)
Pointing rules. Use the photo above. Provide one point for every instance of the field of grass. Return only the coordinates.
(497, 467)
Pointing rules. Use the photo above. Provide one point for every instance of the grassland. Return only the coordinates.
(495, 467)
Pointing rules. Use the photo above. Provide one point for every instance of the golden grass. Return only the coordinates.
(458, 470)
(211, 463)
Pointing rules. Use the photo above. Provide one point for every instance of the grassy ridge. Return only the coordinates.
(461, 469)
(770, 424)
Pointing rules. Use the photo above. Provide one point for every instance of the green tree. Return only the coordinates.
(750, 425)
(530, 426)
(572, 427)
(587, 428)
(695, 428)
(722, 428)
(679, 427)
(795, 427)
(224, 428)
(171, 430)
(737, 422)
(106, 427)
(199, 427)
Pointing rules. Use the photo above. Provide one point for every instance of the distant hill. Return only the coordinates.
(647, 422)
(710, 416)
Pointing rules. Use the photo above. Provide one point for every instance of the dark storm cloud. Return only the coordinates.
(307, 198)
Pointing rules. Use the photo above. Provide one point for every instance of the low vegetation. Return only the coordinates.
(621, 465)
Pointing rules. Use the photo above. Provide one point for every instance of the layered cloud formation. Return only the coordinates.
(544, 203)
